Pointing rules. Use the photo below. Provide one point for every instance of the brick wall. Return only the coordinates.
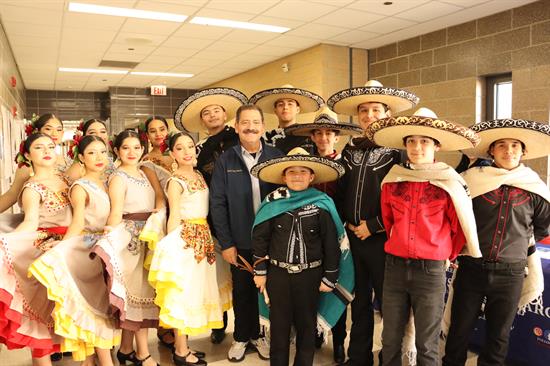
(446, 68)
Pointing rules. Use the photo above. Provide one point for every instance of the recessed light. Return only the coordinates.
(168, 74)
(131, 49)
(240, 25)
(388, 2)
(125, 12)
(95, 71)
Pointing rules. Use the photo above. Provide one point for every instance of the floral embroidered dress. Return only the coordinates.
(76, 284)
(123, 254)
(25, 311)
(183, 268)
(159, 167)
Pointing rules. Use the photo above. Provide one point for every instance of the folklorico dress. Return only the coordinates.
(161, 170)
(25, 311)
(183, 268)
(123, 255)
(76, 284)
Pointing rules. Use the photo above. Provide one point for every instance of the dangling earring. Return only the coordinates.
(174, 166)
(31, 173)
(82, 168)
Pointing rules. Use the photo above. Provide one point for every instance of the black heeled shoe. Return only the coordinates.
(127, 357)
(182, 360)
(140, 362)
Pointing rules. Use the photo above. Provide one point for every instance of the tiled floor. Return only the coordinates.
(216, 354)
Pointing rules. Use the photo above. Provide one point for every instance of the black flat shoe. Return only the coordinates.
(57, 356)
(197, 354)
(217, 336)
(339, 354)
(140, 362)
(182, 360)
(127, 357)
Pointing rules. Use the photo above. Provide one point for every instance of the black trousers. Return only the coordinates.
(339, 332)
(245, 302)
(294, 300)
(368, 259)
(501, 283)
(418, 284)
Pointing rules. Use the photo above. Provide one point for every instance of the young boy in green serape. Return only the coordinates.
(301, 253)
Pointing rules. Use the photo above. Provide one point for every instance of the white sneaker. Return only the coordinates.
(262, 346)
(236, 352)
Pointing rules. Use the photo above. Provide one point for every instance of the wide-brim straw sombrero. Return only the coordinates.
(535, 136)
(326, 170)
(391, 131)
(346, 101)
(308, 101)
(188, 115)
(327, 119)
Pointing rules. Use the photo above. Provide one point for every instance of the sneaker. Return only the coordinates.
(262, 346)
(236, 352)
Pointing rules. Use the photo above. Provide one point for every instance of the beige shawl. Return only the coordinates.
(443, 176)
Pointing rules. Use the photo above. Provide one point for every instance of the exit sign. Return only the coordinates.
(158, 89)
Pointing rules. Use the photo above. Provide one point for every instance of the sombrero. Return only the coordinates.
(188, 114)
(390, 131)
(347, 100)
(325, 118)
(326, 170)
(308, 101)
(535, 136)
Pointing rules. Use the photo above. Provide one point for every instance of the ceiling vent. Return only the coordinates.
(120, 64)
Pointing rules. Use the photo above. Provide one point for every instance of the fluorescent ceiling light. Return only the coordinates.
(125, 12)
(240, 25)
(168, 74)
(95, 71)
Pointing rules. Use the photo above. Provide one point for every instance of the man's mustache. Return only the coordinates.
(249, 130)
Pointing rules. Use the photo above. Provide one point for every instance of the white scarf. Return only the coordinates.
(443, 176)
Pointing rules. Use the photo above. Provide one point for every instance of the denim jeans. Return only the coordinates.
(501, 283)
(417, 284)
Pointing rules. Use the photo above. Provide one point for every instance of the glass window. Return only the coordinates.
(499, 97)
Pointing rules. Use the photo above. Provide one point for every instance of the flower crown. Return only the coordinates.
(142, 131)
(73, 150)
(30, 128)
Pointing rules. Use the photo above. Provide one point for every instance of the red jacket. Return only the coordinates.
(421, 221)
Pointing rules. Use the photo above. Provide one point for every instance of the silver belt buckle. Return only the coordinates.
(294, 268)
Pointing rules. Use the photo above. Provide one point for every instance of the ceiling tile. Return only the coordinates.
(378, 7)
(299, 43)
(174, 52)
(227, 46)
(464, 3)
(350, 18)
(92, 21)
(333, 2)
(299, 10)
(353, 36)
(269, 50)
(133, 25)
(30, 15)
(388, 25)
(317, 31)
(224, 14)
(84, 36)
(188, 43)
(168, 60)
(116, 56)
(57, 5)
(181, 7)
(137, 39)
(156, 67)
(201, 31)
(280, 22)
(136, 50)
(32, 41)
(241, 35)
(429, 11)
(22, 28)
(252, 7)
